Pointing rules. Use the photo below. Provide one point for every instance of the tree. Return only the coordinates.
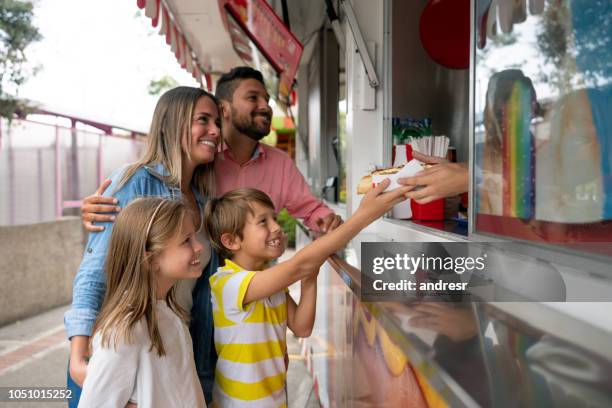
(165, 83)
(576, 37)
(16, 33)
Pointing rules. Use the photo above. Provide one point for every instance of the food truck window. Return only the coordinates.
(543, 120)
(429, 104)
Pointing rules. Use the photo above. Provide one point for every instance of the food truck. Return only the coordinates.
(518, 94)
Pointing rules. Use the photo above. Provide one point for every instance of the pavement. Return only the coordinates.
(34, 353)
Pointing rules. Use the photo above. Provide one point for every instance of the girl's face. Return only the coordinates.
(205, 131)
(181, 258)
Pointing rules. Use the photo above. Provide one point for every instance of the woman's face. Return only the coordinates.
(205, 131)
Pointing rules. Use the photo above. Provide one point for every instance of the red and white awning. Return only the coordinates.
(503, 14)
(194, 31)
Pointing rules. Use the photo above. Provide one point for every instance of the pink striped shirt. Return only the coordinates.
(272, 171)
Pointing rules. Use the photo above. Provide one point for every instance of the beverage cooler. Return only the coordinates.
(520, 92)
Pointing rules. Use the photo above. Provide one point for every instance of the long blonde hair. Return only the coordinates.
(171, 122)
(142, 230)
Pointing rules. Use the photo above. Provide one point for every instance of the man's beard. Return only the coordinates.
(246, 124)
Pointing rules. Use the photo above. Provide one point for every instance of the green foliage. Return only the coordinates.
(163, 84)
(577, 37)
(554, 42)
(16, 33)
(288, 224)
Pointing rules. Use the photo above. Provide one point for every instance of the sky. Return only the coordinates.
(97, 59)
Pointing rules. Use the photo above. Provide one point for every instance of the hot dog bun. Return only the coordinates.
(365, 184)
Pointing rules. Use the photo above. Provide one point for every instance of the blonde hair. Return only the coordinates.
(228, 214)
(142, 230)
(171, 122)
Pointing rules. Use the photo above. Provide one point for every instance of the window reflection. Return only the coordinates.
(544, 119)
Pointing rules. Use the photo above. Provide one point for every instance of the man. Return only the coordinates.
(244, 162)
(241, 162)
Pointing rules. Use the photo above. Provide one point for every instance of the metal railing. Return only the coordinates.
(47, 168)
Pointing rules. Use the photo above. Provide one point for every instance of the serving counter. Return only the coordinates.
(435, 354)
(529, 115)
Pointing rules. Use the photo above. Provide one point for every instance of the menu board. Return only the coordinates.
(543, 120)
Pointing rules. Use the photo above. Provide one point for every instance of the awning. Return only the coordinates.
(205, 43)
(196, 35)
(506, 14)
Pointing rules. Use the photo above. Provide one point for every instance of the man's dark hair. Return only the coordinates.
(227, 84)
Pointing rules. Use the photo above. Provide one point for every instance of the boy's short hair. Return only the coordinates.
(228, 82)
(228, 214)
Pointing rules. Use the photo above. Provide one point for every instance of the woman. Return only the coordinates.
(177, 163)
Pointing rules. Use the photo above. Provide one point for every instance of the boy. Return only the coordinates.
(251, 306)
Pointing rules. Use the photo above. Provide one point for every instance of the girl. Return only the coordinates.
(142, 351)
(177, 163)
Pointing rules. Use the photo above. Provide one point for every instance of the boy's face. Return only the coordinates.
(262, 237)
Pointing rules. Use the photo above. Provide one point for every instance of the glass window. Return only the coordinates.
(543, 117)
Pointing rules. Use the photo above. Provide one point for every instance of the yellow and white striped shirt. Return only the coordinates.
(250, 342)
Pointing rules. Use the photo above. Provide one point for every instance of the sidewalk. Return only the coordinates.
(34, 353)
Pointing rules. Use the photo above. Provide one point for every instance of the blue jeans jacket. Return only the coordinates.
(90, 282)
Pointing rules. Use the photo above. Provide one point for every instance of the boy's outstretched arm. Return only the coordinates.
(300, 317)
(309, 259)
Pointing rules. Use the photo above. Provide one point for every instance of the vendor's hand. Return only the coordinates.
(329, 223)
(456, 323)
(95, 208)
(131, 405)
(78, 370)
(439, 181)
(428, 159)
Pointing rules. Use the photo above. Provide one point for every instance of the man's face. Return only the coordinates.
(250, 111)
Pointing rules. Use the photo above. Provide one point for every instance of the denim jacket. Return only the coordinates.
(90, 282)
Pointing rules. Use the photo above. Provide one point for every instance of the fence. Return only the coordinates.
(46, 168)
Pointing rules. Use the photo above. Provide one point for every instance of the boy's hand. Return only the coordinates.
(329, 223)
(375, 203)
(95, 206)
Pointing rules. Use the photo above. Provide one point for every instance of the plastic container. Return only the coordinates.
(433, 211)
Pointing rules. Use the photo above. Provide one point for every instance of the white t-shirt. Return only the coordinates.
(132, 373)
